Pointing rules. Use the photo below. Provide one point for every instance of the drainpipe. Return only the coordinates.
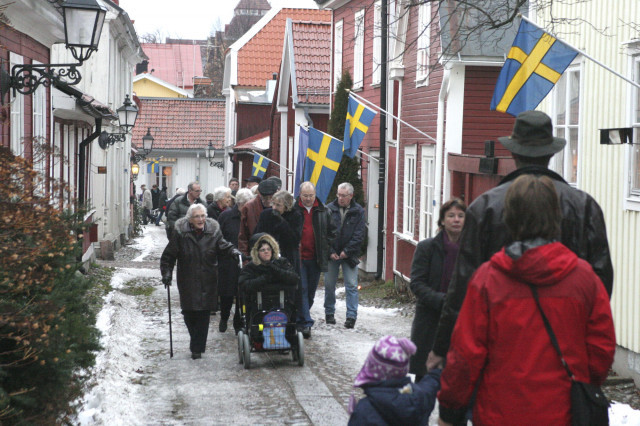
(383, 136)
(442, 98)
(82, 155)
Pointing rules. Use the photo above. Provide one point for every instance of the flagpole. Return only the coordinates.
(360, 151)
(388, 113)
(582, 53)
(277, 164)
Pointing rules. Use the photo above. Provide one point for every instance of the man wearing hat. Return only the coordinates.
(252, 181)
(250, 213)
(583, 229)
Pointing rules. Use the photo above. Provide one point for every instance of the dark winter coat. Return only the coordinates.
(213, 211)
(385, 405)
(484, 233)
(155, 198)
(228, 268)
(426, 277)
(501, 349)
(257, 275)
(162, 201)
(324, 231)
(177, 210)
(286, 229)
(351, 233)
(197, 263)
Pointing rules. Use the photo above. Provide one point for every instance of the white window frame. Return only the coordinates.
(337, 53)
(409, 198)
(424, 44)
(562, 162)
(427, 191)
(377, 45)
(632, 194)
(358, 50)
(17, 111)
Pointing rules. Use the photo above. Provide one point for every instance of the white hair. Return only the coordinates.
(180, 191)
(347, 186)
(243, 196)
(193, 208)
(220, 192)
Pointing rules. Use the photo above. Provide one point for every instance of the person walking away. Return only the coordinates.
(162, 205)
(318, 233)
(147, 205)
(391, 398)
(221, 201)
(583, 228)
(178, 208)
(194, 245)
(250, 213)
(348, 219)
(431, 270)
(500, 344)
(229, 221)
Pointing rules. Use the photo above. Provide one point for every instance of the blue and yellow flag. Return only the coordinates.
(153, 166)
(535, 63)
(260, 164)
(323, 160)
(359, 118)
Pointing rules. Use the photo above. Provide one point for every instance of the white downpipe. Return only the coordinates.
(442, 97)
(395, 196)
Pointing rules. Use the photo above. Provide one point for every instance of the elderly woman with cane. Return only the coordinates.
(194, 244)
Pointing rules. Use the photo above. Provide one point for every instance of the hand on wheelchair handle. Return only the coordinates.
(166, 280)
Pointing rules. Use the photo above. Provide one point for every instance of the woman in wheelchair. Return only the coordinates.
(268, 273)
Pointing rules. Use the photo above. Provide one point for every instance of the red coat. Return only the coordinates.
(500, 342)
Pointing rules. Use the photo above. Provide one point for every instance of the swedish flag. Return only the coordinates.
(359, 118)
(323, 160)
(153, 166)
(535, 63)
(260, 164)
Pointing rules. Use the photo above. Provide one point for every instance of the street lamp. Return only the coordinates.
(127, 115)
(211, 153)
(83, 20)
(135, 169)
(147, 146)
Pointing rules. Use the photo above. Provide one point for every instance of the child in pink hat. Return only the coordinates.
(391, 397)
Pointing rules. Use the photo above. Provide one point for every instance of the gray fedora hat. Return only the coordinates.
(533, 136)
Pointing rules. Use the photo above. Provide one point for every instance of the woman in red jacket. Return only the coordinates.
(500, 345)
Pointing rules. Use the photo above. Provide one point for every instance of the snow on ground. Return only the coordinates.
(136, 383)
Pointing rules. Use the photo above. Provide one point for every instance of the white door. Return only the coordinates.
(372, 208)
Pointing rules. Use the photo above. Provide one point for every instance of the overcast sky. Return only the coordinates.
(191, 19)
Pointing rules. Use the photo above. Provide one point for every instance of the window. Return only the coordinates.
(424, 40)
(409, 213)
(377, 46)
(337, 54)
(427, 191)
(358, 50)
(17, 112)
(566, 120)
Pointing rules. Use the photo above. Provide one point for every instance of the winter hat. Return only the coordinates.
(389, 359)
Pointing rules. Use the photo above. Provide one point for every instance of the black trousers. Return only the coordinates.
(198, 325)
(225, 311)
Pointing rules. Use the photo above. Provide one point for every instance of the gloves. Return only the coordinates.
(166, 280)
(237, 254)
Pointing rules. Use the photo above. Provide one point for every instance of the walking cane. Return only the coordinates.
(170, 331)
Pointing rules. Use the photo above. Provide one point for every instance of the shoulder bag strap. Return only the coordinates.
(554, 342)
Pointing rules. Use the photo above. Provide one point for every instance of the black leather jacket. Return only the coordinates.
(484, 233)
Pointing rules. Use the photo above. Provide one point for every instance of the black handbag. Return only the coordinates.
(589, 406)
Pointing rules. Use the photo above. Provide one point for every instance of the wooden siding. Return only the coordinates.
(479, 123)
(252, 119)
(606, 103)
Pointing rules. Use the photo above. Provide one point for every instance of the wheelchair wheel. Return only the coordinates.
(240, 346)
(300, 349)
(246, 352)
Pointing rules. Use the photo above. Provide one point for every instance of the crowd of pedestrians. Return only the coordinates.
(531, 246)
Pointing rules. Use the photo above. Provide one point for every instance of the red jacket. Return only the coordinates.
(500, 342)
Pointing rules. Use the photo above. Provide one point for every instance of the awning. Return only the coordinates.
(259, 142)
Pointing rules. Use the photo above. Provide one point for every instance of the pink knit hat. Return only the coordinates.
(389, 359)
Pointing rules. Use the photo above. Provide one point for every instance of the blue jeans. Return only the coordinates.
(350, 285)
(309, 277)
